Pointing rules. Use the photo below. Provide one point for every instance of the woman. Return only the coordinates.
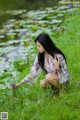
(49, 59)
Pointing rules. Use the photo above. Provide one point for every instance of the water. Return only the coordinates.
(22, 4)
(26, 4)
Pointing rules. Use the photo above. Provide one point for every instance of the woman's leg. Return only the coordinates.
(50, 79)
(53, 79)
(44, 83)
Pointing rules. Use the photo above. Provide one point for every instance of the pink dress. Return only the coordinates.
(63, 76)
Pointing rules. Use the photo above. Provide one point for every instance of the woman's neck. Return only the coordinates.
(47, 55)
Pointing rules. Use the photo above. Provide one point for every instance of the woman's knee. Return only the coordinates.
(43, 83)
(48, 76)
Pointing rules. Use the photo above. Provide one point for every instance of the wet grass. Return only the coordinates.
(34, 103)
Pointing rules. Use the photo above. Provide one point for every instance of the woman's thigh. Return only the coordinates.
(51, 76)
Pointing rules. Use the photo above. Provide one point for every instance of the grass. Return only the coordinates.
(34, 103)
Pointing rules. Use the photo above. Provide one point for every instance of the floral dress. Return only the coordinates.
(63, 75)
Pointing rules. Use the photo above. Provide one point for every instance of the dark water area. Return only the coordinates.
(26, 4)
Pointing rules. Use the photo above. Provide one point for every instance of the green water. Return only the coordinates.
(26, 4)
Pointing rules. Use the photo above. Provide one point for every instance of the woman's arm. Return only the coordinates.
(32, 76)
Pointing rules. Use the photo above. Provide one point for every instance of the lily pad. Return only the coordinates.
(11, 36)
(55, 21)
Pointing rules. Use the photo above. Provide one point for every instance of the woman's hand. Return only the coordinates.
(14, 86)
(56, 62)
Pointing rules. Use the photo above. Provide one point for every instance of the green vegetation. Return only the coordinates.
(34, 103)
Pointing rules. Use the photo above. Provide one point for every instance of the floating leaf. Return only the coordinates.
(26, 43)
(55, 21)
(11, 36)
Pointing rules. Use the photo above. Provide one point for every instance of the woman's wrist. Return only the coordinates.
(20, 83)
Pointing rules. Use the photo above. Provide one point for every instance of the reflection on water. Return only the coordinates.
(26, 4)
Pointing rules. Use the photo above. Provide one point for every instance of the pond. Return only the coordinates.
(21, 24)
(23, 4)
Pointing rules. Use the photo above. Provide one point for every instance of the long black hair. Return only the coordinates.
(49, 47)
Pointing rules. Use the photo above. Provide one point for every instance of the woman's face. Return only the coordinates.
(40, 47)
